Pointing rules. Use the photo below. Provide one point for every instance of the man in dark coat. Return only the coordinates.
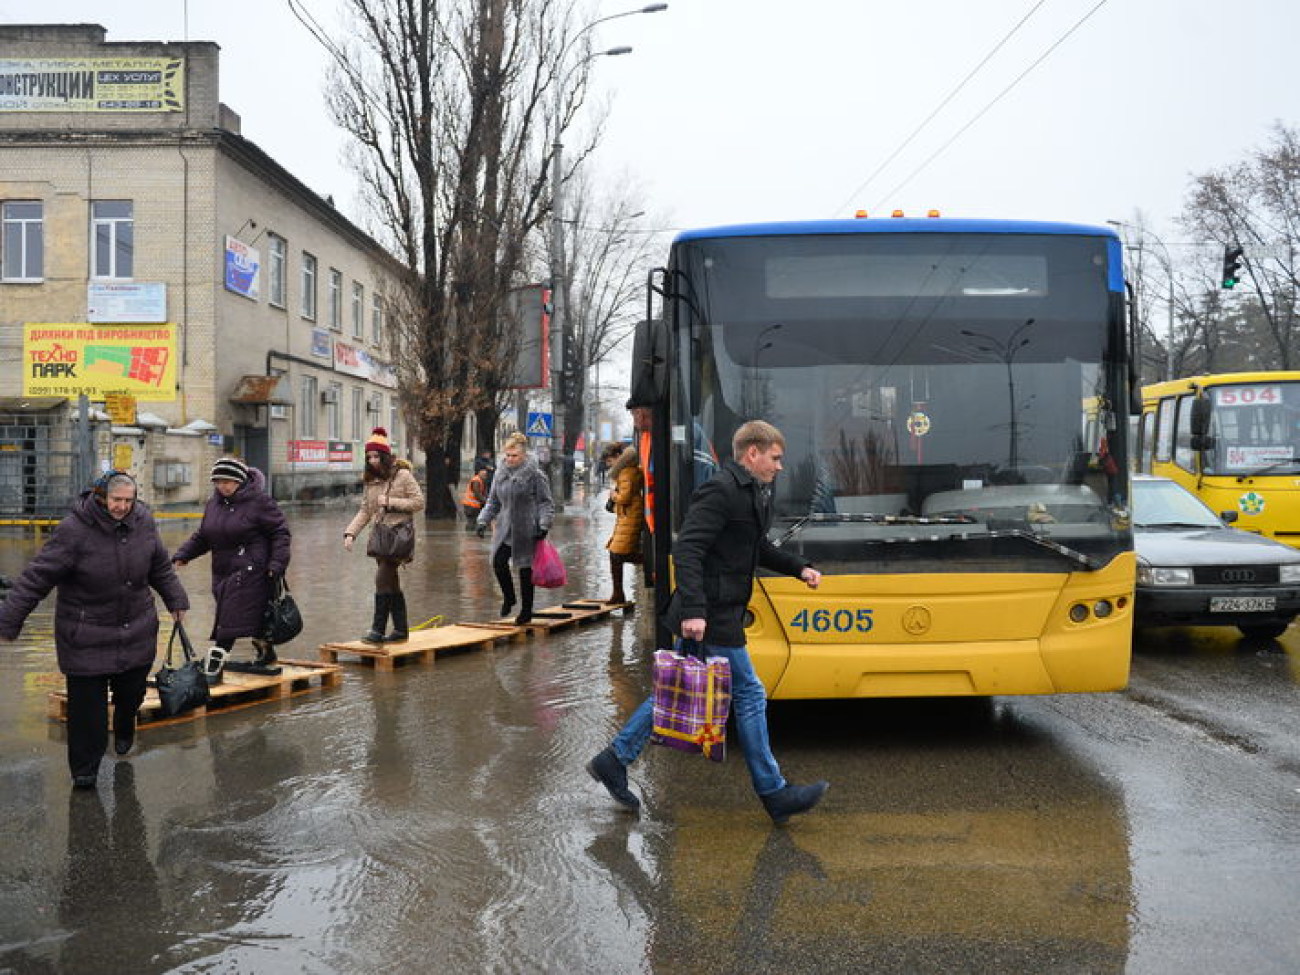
(249, 539)
(722, 543)
(106, 559)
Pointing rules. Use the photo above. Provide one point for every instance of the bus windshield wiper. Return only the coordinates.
(1075, 556)
(866, 518)
(1268, 467)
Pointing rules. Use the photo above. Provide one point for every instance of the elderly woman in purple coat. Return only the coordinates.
(247, 534)
(106, 561)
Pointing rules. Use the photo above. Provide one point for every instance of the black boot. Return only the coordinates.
(616, 571)
(526, 595)
(401, 631)
(383, 602)
(264, 658)
(606, 769)
(793, 800)
(507, 585)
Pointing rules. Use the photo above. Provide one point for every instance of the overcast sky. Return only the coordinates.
(736, 110)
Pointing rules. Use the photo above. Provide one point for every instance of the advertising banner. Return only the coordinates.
(126, 302)
(100, 361)
(243, 268)
(92, 84)
(353, 360)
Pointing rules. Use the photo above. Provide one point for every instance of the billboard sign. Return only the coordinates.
(243, 268)
(100, 361)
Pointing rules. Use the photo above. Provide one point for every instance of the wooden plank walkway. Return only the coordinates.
(235, 691)
(425, 644)
(572, 613)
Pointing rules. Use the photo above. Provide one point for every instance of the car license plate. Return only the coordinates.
(1242, 604)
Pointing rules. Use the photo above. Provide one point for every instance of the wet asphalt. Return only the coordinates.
(438, 818)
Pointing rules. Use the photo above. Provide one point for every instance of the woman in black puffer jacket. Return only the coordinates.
(106, 560)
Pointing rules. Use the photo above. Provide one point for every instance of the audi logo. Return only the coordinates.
(1237, 575)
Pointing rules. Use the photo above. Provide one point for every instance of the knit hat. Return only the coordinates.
(230, 469)
(378, 442)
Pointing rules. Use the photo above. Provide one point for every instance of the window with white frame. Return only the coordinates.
(334, 411)
(376, 317)
(22, 240)
(394, 433)
(336, 299)
(307, 305)
(112, 239)
(308, 408)
(358, 310)
(358, 412)
(276, 260)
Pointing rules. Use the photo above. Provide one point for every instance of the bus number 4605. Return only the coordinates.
(824, 620)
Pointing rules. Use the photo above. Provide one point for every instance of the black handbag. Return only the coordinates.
(393, 542)
(182, 688)
(283, 620)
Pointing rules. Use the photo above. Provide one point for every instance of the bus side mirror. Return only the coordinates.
(649, 383)
(1228, 517)
(1200, 416)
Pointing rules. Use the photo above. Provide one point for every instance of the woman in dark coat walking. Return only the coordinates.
(106, 560)
(520, 504)
(249, 539)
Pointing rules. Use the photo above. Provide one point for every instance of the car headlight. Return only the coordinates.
(1159, 575)
(1289, 574)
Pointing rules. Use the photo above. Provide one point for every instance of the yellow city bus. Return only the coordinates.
(1233, 440)
(954, 395)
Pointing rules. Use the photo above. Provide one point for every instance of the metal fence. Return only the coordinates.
(46, 460)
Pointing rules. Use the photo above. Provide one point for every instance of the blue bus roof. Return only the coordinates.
(896, 225)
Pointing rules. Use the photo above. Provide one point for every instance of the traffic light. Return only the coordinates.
(1231, 266)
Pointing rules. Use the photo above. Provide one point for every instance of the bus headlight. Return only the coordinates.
(1078, 612)
(1102, 609)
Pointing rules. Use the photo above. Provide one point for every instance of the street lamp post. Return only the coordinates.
(559, 311)
(1143, 233)
(1006, 351)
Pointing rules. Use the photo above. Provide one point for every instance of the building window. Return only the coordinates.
(394, 432)
(358, 413)
(358, 310)
(334, 411)
(308, 408)
(336, 300)
(276, 265)
(308, 304)
(376, 318)
(22, 241)
(112, 239)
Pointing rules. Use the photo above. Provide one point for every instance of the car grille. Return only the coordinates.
(1236, 575)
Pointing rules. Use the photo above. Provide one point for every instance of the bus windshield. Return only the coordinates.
(1255, 429)
(948, 399)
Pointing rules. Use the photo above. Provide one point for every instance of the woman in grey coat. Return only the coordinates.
(106, 560)
(521, 498)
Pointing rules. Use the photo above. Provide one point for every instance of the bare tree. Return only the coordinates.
(1256, 204)
(446, 103)
(609, 258)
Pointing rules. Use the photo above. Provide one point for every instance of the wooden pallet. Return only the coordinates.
(424, 644)
(235, 691)
(571, 614)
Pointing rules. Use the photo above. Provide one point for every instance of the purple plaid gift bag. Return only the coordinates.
(691, 700)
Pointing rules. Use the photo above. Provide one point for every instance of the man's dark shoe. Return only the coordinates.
(606, 769)
(793, 800)
(122, 743)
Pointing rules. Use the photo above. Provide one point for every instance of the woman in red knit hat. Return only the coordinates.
(392, 495)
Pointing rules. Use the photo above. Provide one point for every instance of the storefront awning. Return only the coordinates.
(263, 391)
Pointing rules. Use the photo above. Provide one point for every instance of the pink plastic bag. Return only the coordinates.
(548, 568)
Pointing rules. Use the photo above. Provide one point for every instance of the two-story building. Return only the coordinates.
(168, 292)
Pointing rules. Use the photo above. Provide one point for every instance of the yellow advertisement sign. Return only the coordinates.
(92, 84)
(100, 361)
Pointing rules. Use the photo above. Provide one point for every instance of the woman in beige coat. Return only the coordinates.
(392, 495)
(627, 501)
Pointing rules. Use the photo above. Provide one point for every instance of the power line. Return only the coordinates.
(983, 111)
(938, 108)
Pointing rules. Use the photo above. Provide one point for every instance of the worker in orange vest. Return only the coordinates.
(476, 494)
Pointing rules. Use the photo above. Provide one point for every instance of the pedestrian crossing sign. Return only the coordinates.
(539, 425)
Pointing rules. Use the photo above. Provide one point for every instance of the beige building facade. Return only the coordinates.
(166, 280)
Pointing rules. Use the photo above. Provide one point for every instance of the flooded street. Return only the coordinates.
(438, 818)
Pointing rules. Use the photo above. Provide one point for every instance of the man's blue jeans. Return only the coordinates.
(748, 704)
